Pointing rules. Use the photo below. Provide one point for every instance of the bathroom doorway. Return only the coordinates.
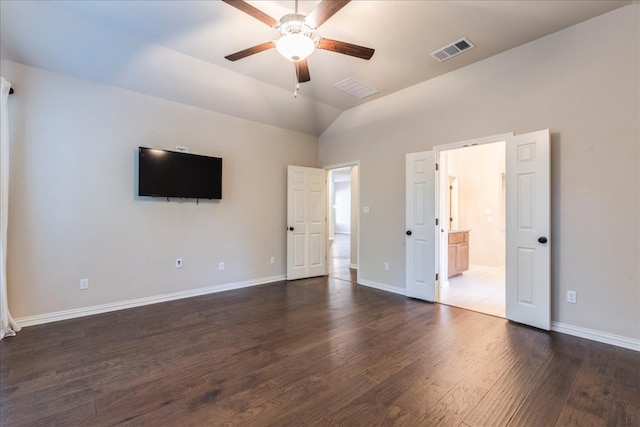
(473, 233)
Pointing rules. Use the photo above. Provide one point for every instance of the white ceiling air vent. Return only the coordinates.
(453, 49)
(356, 88)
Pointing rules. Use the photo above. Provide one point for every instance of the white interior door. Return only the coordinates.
(528, 245)
(306, 222)
(421, 259)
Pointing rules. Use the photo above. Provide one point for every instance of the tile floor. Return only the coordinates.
(479, 289)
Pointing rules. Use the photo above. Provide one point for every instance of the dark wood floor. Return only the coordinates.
(311, 352)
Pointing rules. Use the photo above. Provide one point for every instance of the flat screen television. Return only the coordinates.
(164, 173)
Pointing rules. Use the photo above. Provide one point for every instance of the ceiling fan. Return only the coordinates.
(296, 30)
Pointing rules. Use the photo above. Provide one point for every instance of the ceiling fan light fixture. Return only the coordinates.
(296, 31)
(295, 47)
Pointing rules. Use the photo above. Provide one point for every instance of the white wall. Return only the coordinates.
(582, 85)
(74, 212)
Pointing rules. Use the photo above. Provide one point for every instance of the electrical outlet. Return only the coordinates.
(572, 297)
(221, 266)
(84, 284)
(272, 260)
(386, 266)
(178, 262)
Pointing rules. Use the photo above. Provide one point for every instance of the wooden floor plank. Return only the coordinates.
(624, 413)
(591, 394)
(453, 407)
(319, 351)
(547, 398)
(370, 414)
(507, 394)
(341, 392)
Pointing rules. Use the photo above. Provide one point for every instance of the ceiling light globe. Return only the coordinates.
(295, 47)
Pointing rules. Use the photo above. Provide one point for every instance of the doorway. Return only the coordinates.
(342, 215)
(473, 191)
(527, 225)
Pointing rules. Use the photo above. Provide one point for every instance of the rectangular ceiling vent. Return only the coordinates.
(453, 49)
(356, 88)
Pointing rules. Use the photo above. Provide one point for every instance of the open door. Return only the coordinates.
(421, 258)
(528, 290)
(306, 222)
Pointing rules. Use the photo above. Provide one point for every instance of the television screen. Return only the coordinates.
(164, 173)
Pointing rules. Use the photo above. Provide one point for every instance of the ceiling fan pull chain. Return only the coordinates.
(295, 92)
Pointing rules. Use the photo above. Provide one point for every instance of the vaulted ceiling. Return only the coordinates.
(175, 49)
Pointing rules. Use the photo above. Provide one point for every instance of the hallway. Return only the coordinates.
(339, 258)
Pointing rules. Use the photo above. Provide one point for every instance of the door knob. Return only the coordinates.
(291, 228)
(409, 233)
(542, 239)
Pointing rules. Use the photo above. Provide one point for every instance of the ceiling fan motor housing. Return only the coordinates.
(293, 23)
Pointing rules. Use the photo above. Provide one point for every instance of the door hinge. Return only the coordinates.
(436, 277)
(437, 221)
(437, 166)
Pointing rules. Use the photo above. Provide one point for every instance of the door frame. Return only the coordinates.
(441, 210)
(358, 213)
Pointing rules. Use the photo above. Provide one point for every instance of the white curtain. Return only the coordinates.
(8, 327)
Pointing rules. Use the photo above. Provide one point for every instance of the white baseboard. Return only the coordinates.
(593, 335)
(381, 286)
(590, 334)
(577, 331)
(121, 305)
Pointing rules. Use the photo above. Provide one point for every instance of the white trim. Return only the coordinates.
(577, 331)
(475, 141)
(563, 328)
(121, 305)
(342, 165)
(382, 286)
(593, 335)
(353, 266)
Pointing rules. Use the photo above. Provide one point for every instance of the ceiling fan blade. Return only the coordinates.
(252, 11)
(323, 11)
(346, 48)
(302, 71)
(250, 51)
